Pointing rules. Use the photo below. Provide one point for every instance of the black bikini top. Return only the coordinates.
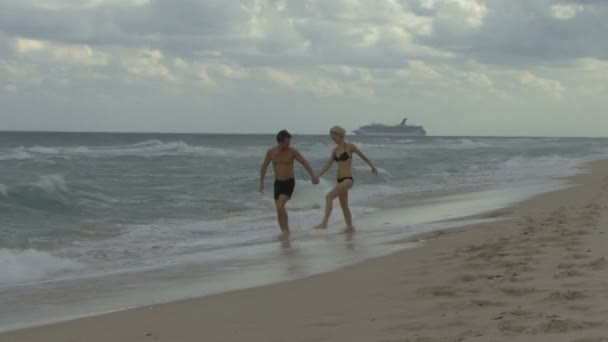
(343, 157)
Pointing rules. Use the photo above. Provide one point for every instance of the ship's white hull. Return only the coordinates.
(390, 134)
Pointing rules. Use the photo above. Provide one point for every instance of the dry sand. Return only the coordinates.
(539, 276)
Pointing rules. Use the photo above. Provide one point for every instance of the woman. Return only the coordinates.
(343, 155)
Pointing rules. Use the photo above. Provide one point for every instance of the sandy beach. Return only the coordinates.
(539, 274)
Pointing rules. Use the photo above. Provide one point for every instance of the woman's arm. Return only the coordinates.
(365, 159)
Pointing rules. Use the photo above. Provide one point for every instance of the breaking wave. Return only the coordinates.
(22, 266)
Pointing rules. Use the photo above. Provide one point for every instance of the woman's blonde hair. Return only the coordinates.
(338, 130)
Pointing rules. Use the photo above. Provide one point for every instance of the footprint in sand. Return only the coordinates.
(519, 291)
(592, 339)
(529, 229)
(551, 326)
(520, 269)
(566, 266)
(577, 256)
(569, 244)
(469, 278)
(569, 233)
(510, 328)
(415, 339)
(568, 274)
(597, 264)
(499, 213)
(488, 255)
(520, 313)
(579, 307)
(555, 326)
(588, 222)
(455, 338)
(438, 291)
(486, 303)
(446, 291)
(518, 279)
(326, 324)
(473, 266)
(492, 246)
(524, 241)
(566, 295)
(527, 251)
(547, 239)
(593, 206)
(513, 263)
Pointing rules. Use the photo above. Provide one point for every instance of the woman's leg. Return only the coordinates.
(348, 218)
(338, 190)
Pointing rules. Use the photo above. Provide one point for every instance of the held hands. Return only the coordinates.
(314, 180)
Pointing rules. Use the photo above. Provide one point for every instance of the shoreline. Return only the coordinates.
(410, 219)
(257, 312)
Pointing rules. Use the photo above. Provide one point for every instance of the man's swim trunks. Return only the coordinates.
(284, 187)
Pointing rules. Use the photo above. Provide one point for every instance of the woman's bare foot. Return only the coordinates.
(321, 226)
(349, 229)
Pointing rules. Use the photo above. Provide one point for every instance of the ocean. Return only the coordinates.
(99, 222)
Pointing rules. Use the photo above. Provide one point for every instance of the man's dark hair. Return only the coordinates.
(282, 136)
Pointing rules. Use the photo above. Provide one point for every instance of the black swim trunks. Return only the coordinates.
(284, 187)
(340, 180)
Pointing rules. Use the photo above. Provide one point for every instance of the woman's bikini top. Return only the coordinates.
(343, 157)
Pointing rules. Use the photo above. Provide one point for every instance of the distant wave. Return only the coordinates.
(462, 144)
(49, 193)
(22, 266)
(548, 164)
(52, 184)
(16, 155)
(148, 148)
(422, 144)
(44, 150)
(158, 148)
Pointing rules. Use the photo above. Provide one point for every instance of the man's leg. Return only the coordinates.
(282, 215)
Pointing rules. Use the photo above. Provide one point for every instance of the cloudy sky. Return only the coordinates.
(459, 67)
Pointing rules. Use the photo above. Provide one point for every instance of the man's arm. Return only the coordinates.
(365, 159)
(264, 169)
(304, 163)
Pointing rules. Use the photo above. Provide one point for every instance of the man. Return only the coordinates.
(282, 157)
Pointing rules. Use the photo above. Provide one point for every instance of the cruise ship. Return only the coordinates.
(401, 130)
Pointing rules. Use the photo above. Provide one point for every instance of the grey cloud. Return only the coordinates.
(514, 32)
(202, 22)
(186, 27)
(71, 26)
(303, 41)
(586, 2)
(524, 32)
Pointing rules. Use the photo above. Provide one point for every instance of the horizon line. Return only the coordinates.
(310, 134)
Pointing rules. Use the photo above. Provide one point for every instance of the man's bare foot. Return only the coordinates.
(321, 226)
(283, 236)
(349, 229)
